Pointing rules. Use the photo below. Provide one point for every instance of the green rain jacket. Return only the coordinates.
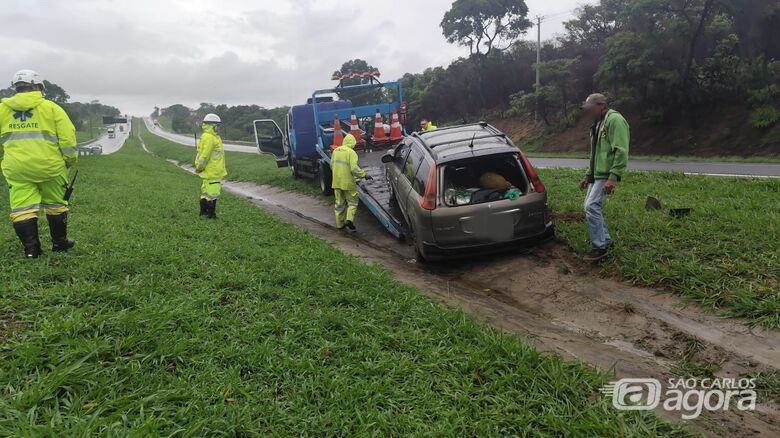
(609, 147)
(344, 164)
(211, 154)
(37, 139)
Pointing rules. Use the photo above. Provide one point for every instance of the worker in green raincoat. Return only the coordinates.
(210, 165)
(37, 146)
(346, 172)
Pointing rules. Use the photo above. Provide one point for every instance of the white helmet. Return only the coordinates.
(26, 77)
(212, 118)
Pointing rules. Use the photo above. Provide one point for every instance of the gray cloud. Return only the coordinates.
(143, 53)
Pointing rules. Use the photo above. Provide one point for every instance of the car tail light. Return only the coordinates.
(428, 200)
(532, 175)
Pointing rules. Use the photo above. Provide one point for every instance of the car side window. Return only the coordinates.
(412, 163)
(400, 155)
(421, 179)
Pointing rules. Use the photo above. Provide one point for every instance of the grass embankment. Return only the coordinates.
(90, 130)
(724, 256)
(163, 324)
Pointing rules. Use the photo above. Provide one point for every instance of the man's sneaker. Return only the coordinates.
(350, 227)
(596, 255)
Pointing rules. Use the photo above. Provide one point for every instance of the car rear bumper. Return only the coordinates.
(434, 252)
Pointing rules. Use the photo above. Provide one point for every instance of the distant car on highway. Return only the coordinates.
(111, 132)
(466, 190)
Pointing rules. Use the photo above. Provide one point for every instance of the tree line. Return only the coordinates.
(236, 120)
(661, 59)
(80, 113)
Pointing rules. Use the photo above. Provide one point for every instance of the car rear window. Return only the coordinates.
(485, 179)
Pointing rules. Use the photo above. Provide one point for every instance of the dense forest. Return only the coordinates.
(682, 64)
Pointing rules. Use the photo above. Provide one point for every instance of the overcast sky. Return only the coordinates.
(141, 53)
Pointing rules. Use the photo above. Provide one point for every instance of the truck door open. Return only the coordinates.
(270, 139)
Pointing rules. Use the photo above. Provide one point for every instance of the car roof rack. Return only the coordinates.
(478, 137)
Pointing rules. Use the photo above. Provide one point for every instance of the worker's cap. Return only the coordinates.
(594, 100)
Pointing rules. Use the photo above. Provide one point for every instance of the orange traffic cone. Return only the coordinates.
(354, 129)
(379, 128)
(338, 135)
(396, 132)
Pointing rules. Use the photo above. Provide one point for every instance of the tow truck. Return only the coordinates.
(305, 143)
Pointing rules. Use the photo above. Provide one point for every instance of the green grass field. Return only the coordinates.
(725, 256)
(163, 324)
(85, 136)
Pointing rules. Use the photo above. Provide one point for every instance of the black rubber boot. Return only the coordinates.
(28, 234)
(204, 207)
(212, 210)
(58, 226)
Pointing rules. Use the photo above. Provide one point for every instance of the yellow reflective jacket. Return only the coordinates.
(211, 154)
(430, 127)
(37, 139)
(344, 164)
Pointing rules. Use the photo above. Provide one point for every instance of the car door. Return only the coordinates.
(395, 167)
(405, 194)
(270, 139)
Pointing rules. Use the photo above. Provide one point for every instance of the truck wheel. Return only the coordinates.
(325, 178)
(294, 167)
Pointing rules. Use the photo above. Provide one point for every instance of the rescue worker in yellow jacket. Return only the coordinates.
(426, 125)
(346, 171)
(37, 147)
(210, 165)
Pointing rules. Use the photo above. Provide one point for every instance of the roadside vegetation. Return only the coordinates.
(162, 324)
(724, 256)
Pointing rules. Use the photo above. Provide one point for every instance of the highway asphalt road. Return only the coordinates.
(187, 140)
(111, 145)
(697, 168)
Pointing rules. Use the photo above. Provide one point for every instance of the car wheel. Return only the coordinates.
(418, 254)
(325, 178)
(390, 188)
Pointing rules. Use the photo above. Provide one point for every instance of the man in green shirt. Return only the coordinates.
(609, 139)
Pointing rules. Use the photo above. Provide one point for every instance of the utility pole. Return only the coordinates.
(538, 61)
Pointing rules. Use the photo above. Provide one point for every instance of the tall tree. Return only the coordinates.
(364, 97)
(485, 25)
(55, 92)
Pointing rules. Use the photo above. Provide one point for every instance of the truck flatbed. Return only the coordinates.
(376, 194)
